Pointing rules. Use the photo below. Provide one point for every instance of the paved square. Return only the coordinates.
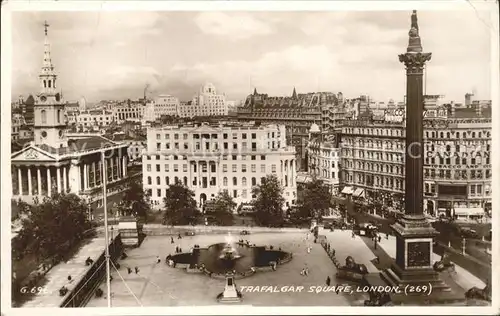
(161, 285)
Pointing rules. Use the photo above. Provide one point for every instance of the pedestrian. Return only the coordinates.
(179, 236)
(306, 271)
(171, 240)
(376, 245)
(328, 281)
(386, 235)
(333, 252)
(136, 270)
(379, 239)
(302, 272)
(158, 260)
(176, 249)
(129, 270)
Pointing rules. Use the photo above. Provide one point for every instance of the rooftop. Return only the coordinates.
(79, 145)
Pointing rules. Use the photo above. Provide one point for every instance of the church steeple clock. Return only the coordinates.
(50, 122)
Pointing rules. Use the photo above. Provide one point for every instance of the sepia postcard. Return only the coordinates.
(249, 157)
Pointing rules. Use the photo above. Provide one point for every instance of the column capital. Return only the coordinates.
(415, 62)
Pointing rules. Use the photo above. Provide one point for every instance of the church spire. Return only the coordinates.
(47, 61)
(47, 75)
(294, 94)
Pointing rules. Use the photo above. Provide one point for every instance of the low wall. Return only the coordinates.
(86, 286)
(160, 230)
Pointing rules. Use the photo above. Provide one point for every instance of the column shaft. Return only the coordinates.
(49, 182)
(20, 180)
(30, 187)
(58, 173)
(39, 180)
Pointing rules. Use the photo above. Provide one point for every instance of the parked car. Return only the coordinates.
(190, 233)
(469, 233)
(244, 232)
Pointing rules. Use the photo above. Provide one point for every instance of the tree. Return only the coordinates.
(269, 201)
(222, 208)
(316, 199)
(52, 228)
(180, 205)
(135, 201)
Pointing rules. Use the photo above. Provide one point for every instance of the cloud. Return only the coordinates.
(299, 65)
(235, 26)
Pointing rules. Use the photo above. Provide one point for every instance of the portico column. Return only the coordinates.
(85, 176)
(101, 180)
(293, 172)
(118, 167)
(94, 183)
(190, 173)
(30, 188)
(111, 164)
(65, 181)
(39, 180)
(217, 167)
(49, 182)
(58, 173)
(20, 180)
(124, 166)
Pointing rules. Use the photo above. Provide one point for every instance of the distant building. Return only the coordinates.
(209, 159)
(206, 103)
(163, 105)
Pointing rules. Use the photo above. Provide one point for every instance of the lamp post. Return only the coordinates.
(463, 246)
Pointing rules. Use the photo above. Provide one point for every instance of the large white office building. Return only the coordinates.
(209, 159)
(207, 102)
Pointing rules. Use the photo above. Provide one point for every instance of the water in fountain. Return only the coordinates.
(229, 251)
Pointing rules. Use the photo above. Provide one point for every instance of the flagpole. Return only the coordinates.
(104, 201)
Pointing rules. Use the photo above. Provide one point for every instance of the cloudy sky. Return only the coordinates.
(115, 54)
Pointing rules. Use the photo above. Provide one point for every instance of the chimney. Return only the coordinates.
(452, 106)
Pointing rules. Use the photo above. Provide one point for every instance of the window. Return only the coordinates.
(254, 136)
(148, 167)
(262, 157)
(263, 168)
(253, 167)
(234, 157)
(235, 193)
(167, 180)
(44, 117)
(158, 180)
(184, 168)
(224, 181)
(158, 168)
(254, 181)
(244, 135)
(479, 189)
(235, 145)
(244, 193)
(244, 181)
(273, 168)
(252, 157)
(235, 181)
(158, 192)
(176, 167)
(150, 181)
(235, 168)
(158, 136)
(243, 168)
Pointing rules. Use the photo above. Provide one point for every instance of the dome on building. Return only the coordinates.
(314, 128)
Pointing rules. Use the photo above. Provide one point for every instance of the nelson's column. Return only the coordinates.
(414, 234)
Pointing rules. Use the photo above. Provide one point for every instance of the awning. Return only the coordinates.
(303, 179)
(347, 190)
(358, 192)
(473, 211)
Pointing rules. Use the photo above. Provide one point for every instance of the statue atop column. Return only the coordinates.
(414, 44)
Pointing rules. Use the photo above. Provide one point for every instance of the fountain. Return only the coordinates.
(229, 253)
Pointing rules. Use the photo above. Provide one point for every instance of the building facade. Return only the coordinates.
(56, 163)
(457, 164)
(163, 105)
(128, 112)
(209, 159)
(323, 159)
